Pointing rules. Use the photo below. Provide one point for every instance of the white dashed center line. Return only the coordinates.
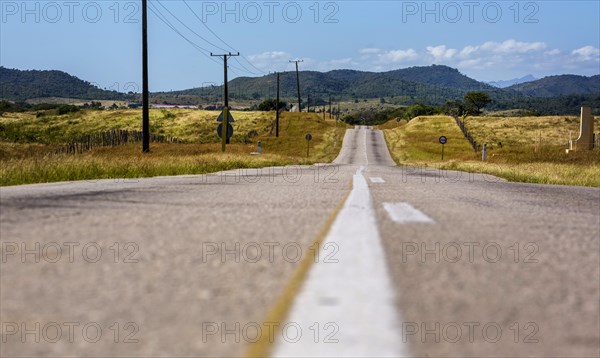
(404, 213)
(377, 180)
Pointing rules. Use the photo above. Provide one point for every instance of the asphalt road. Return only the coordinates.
(398, 261)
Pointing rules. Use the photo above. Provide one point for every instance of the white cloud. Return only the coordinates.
(553, 52)
(441, 53)
(512, 46)
(468, 50)
(491, 60)
(269, 55)
(396, 56)
(587, 53)
(270, 60)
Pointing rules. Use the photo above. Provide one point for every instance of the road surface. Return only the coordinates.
(354, 258)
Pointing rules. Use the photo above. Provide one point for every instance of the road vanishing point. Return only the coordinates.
(356, 258)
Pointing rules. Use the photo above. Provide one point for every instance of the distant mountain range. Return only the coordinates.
(514, 81)
(429, 85)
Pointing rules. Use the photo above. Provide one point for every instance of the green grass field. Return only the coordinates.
(28, 139)
(514, 149)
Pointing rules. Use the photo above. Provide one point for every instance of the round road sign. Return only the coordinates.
(229, 130)
(443, 140)
(308, 137)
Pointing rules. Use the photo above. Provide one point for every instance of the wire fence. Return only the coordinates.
(110, 138)
(468, 136)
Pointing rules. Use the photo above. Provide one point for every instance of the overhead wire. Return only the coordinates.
(187, 27)
(224, 42)
(205, 52)
(162, 18)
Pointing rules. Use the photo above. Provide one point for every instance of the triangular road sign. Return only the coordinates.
(229, 117)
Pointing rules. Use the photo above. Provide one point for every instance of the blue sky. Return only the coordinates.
(100, 41)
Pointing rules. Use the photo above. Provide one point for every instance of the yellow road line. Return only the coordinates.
(279, 312)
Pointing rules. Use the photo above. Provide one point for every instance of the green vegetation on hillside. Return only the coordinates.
(376, 117)
(431, 85)
(563, 85)
(17, 85)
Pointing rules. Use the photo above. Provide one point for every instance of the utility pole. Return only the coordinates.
(298, 84)
(225, 124)
(330, 107)
(308, 104)
(145, 96)
(277, 110)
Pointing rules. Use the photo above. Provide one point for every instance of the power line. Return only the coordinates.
(200, 49)
(205, 25)
(220, 39)
(162, 18)
(246, 68)
(187, 27)
(203, 50)
(206, 53)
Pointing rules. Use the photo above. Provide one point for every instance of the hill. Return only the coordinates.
(434, 84)
(431, 85)
(17, 85)
(562, 85)
(438, 75)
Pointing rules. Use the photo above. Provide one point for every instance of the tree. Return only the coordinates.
(66, 108)
(475, 101)
(270, 105)
(455, 109)
(419, 109)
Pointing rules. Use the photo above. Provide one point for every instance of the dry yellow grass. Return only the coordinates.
(519, 157)
(417, 142)
(535, 172)
(193, 126)
(524, 131)
(128, 162)
(29, 163)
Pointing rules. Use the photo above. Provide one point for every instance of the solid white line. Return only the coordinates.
(350, 301)
(377, 180)
(405, 213)
(365, 147)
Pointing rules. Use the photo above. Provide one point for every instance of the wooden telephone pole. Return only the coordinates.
(298, 84)
(145, 96)
(277, 109)
(225, 124)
